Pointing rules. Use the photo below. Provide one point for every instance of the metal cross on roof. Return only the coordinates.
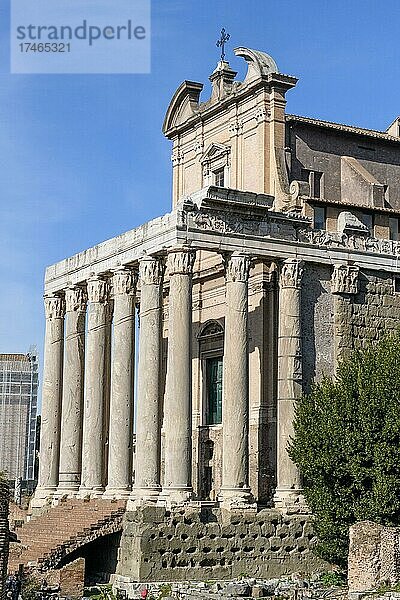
(225, 37)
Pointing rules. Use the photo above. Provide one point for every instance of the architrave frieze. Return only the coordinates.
(226, 220)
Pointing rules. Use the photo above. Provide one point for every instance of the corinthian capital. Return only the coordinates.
(150, 271)
(97, 290)
(238, 267)
(181, 261)
(75, 299)
(124, 281)
(54, 307)
(345, 279)
(292, 273)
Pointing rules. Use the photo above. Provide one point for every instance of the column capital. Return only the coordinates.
(124, 281)
(291, 273)
(345, 279)
(180, 261)
(97, 290)
(75, 299)
(54, 307)
(238, 267)
(150, 270)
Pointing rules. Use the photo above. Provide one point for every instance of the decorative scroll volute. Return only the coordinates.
(150, 271)
(75, 299)
(97, 290)
(181, 262)
(238, 267)
(291, 273)
(345, 279)
(54, 307)
(124, 282)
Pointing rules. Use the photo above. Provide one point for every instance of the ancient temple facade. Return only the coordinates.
(280, 254)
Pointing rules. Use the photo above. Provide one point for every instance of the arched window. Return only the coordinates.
(211, 340)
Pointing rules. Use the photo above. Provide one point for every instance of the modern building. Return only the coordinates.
(279, 255)
(19, 380)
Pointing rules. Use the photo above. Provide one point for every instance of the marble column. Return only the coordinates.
(122, 385)
(148, 421)
(51, 398)
(235, 489)
(72, 395)
(288, 492)
(94, 412)
(178, 398)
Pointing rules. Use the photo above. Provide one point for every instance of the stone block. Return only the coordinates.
(238, 589)
(364, 556)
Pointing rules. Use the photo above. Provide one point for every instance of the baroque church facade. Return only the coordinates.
(279, 256)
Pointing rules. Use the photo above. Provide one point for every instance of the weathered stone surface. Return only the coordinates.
(212, 549)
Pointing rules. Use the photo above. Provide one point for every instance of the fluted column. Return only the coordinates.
(72, 395)
(92, 481)
(288, 491)
(51, 398)
(235, 489)
(178, 398)
(122, 385)
(148, 421)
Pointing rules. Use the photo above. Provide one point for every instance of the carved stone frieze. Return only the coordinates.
(352, 242)
(291, 273)
(239, 223)
(235, 127)
(177, 157)
(345, 279)
(124, 281)
(97, 290)
(54, 307)
(181, 261)
(150, 271)
(75, 299)
(238, 267)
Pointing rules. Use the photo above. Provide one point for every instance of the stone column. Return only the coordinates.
(92, 481)
(288, 492)
(51, 399)
(122, 385)
(178, 398)
(72, 395)
(235, 489)
(344, 286)
(148, 421)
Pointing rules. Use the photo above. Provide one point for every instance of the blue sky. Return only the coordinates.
(82, 157)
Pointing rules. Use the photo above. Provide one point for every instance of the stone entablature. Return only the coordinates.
(218, 220)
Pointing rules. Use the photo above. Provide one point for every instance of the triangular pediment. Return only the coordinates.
(214, 151)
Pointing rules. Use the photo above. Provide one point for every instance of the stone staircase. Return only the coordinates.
(63, 528)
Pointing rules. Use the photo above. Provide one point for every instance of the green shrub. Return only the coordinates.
(347, 445)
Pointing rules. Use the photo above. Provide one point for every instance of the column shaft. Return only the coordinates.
(51, 397)
(92, 481)
(122, 385)
(178, 399)
(148, 434)
(235, 408)
(72, 396)
(288, 491)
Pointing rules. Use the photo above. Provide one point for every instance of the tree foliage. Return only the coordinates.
(347, 446)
